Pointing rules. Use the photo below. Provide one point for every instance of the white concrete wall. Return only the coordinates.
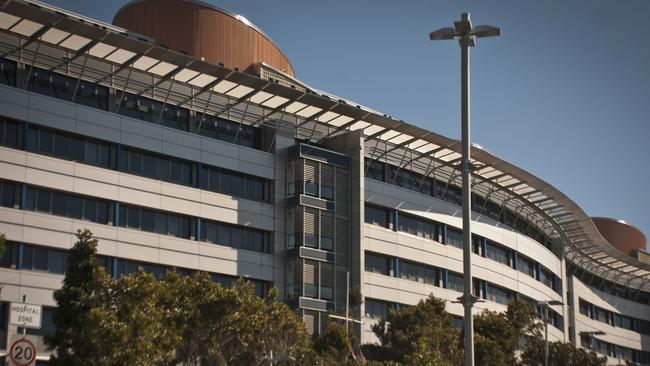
(614, 335)
(413, 248)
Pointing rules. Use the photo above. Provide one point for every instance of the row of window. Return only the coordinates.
(432, 187)
(93, 95)
(448, 235)
(396, 267)
(607, 286)
(614, 319)
(101, 211)
(51, 260)
(86, 150)
(614, 350)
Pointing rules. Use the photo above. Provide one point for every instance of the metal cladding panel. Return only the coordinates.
(621, 235)
(204, 31)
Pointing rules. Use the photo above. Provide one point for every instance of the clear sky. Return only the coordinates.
(564, 93)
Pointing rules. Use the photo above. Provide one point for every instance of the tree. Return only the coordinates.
(335, 344)
(85, 288)
(418, 335)
(495, 339)
(560, 354)
(498, 336)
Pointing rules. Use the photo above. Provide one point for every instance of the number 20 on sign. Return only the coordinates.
(22, 353)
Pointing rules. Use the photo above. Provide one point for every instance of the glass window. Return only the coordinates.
(377, 216)
(327, 192)
(377, 309)
(498, 294)
(418, 272)
(497, 253)
(454, 237)
(525, 265)
(455, 281)
(326, 243)
(9, 258)
(326, 293)
(8, 192)
(377, 264)
(311, 188)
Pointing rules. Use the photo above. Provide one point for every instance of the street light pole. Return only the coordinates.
(545, 305)
(466, 37)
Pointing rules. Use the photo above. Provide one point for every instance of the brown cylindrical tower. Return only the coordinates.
(621, 235)
(203, 30)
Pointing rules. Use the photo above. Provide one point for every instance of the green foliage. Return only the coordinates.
(419, 335)
(335, 344)
(560, 354)
(138, 320)
(85, 288)
(495, 339)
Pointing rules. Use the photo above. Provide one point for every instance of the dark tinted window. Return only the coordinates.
(156, 221)
(69, 147)
(225, 130)
(68, 205)
(10, 132)
(234, 184)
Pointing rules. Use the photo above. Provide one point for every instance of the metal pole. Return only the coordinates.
(467, 198)
(546, 335)
(347, 302)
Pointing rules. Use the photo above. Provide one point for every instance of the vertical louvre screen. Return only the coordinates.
(342, 192)
(311, 171)
(327, 225)
(311, 227)
(327, 274)
(341, 286)
(327, 173)
(309, 318)
(310, 271)
(342, 243)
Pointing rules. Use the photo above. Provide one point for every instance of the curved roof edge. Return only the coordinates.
(236, 16)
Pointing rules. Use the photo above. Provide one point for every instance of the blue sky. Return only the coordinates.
(564, 93)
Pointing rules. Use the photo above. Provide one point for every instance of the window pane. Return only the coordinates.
(61, 146)
(77, 149)
(59, 204)
(174, 225)
(92, 152)
(160, 225)
(102, 212)
(148, 218)
(75, 207)
(43, 201)
(133, 217)
(90, 209)
(40, 259)
(149, 165)
(46, 143)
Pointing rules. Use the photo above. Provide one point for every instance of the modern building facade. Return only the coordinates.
(190, 145)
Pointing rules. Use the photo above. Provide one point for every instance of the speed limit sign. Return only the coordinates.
(22, 352)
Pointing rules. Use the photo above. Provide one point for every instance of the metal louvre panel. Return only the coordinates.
(342, 240)
(298, 220)
(340, 287)
(309, 318)
(310, 272)
(327, 274)
(342, 193)
(327, 225)
(311, 171)
(327, 175)
(311, 221)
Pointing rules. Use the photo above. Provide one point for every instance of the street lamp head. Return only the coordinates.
(481, 31)
(442, 34)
